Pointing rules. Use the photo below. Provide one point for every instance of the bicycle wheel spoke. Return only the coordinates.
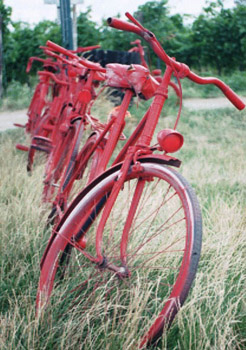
(155, 235)
(153, 218)
(150, 214)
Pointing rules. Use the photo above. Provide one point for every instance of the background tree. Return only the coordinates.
(169, 30)
(154, 15)
(23, 43)
(240, 2)
(5, 13)
(215, 40)
(6, 18)
(88, 31)
(219, 36)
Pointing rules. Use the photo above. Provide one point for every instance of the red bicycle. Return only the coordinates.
(40, 97)
(141, 219)
(99, 147)
(57, 84)
(73, 121)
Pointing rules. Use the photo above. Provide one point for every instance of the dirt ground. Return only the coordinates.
(209, 103)
(9, 117)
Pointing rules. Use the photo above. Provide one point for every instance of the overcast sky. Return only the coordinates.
(33, 11)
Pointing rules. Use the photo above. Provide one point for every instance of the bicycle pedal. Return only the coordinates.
(19, 125)
(21, 147)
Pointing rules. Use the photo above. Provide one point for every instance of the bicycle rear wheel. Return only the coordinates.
(85, 159)
(58, 158)
(151, 280)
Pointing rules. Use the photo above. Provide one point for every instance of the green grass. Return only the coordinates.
(16, 96)
(214, 315)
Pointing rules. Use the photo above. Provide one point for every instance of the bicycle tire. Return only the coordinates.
(168, 199)
(77, 158)
(38, 132)
(58, 159)
(76, 172)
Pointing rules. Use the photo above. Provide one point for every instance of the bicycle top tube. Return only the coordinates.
(181, 69)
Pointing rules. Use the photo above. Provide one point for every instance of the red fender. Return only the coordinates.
(157, 158)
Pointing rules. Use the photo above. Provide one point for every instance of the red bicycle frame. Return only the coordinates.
(95, 204)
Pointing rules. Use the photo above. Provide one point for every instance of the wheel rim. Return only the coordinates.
(159, 251)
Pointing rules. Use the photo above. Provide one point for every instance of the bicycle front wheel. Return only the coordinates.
(146, 275)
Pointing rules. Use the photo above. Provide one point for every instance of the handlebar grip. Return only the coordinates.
(133, 49)
(135, 42)
(233, 97)
(55, 55)
(227, 91)
(123, 25)
(138, 29)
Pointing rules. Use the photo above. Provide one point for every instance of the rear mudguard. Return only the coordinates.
(153, 158)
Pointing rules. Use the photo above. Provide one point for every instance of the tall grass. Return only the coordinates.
(214, 315)
(16, 96)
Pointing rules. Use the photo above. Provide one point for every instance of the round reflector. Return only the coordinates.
(170, 140)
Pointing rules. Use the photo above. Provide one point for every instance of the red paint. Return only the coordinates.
(170, 140)
(61, 126)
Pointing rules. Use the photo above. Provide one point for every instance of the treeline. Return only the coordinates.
(216, 39)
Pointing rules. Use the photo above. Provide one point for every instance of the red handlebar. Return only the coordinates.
(227, 91)
(55, 55)
(51, 75)
(60, 49)
(86, 48)
(179, 68)
(123, 25)
(33, 58)
(86, 63)
(29, 63)
(60, 58)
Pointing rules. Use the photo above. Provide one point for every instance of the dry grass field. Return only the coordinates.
(214, 315)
